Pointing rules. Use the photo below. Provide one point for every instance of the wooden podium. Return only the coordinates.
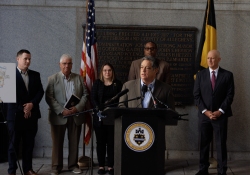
(139, 139)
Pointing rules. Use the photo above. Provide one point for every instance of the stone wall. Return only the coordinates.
(49, 28)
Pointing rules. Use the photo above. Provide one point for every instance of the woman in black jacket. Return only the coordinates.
(104, 88)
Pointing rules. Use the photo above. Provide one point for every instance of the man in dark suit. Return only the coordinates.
(22, 116)
(150, 49)
(213, 94)
(162, 91)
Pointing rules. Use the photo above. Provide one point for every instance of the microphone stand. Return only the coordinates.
(155, 105)
(91, 110)
(10, 136)
(180, 117)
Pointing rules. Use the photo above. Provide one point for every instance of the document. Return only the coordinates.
(72, 101)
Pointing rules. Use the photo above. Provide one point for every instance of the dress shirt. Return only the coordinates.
(216, 74)
(147, 96)
(68, 86)
(25, 77)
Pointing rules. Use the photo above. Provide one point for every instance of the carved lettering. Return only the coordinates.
(121, 45)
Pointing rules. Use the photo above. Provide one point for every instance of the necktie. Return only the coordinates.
(144, 89)
(213, 79)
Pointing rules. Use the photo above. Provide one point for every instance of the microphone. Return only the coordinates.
(117, 96)
(155, 104)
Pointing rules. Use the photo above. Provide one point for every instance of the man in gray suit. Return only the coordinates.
(146, 83)
(60, 88)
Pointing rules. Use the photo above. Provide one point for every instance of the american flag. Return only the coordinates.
(89, 60)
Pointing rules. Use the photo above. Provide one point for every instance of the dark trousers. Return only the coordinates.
(28, 140)
(58, 134)
(105, 143)
(219, 128)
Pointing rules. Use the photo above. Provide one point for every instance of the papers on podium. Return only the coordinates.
(72, 101)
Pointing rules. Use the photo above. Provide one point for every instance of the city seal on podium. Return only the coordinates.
(139, 136)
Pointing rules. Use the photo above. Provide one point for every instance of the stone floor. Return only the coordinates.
(173, 167)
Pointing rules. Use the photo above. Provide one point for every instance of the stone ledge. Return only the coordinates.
(229, 5)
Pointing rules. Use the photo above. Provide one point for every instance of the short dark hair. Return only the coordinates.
(150, 42)
(20, 52)
(101, 71)
(154, 61)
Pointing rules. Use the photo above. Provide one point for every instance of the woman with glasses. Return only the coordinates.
(104, 88)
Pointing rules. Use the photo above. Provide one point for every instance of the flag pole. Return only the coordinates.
(84, 161)
(208, 41)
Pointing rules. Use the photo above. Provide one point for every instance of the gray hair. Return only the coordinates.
(154, 61)
(64, 56)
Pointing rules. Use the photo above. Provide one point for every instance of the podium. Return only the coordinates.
(139, 139)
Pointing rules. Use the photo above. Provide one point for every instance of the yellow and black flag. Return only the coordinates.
(208, 40)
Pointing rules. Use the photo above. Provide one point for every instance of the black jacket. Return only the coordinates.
(34, 95)
(97, 92)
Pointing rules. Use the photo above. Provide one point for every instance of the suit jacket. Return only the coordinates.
(55, 97)
(97, 93)
(34, 94)
(163, 74)
(162, 91)
(222, 95)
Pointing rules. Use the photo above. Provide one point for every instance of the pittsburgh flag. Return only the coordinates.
(89, 60)
(208, 40)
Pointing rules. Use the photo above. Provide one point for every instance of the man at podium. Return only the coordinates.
(148, 87)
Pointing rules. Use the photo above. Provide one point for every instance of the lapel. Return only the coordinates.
(61, 85)
(31, 80)
(138, 92)
(156, 93)
(138, 89)
(75, 87)
(20, 83)
(218, 78)
(208, 79)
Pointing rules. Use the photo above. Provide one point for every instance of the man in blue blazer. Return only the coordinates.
(213, 94)
(22, 116)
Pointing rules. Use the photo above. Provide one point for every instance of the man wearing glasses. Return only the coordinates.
(150, 49)
(144, 84)
(61, 87)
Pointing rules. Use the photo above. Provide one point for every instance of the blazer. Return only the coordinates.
(162, 91)
(222, 95)
(34, 94)
(55, 97)
(97, 91)
(163, 74)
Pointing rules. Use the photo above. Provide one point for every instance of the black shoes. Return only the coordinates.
(101, 171)
(202, 172)
(111, 171)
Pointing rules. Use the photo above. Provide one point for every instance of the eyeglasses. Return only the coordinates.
(149, 48)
